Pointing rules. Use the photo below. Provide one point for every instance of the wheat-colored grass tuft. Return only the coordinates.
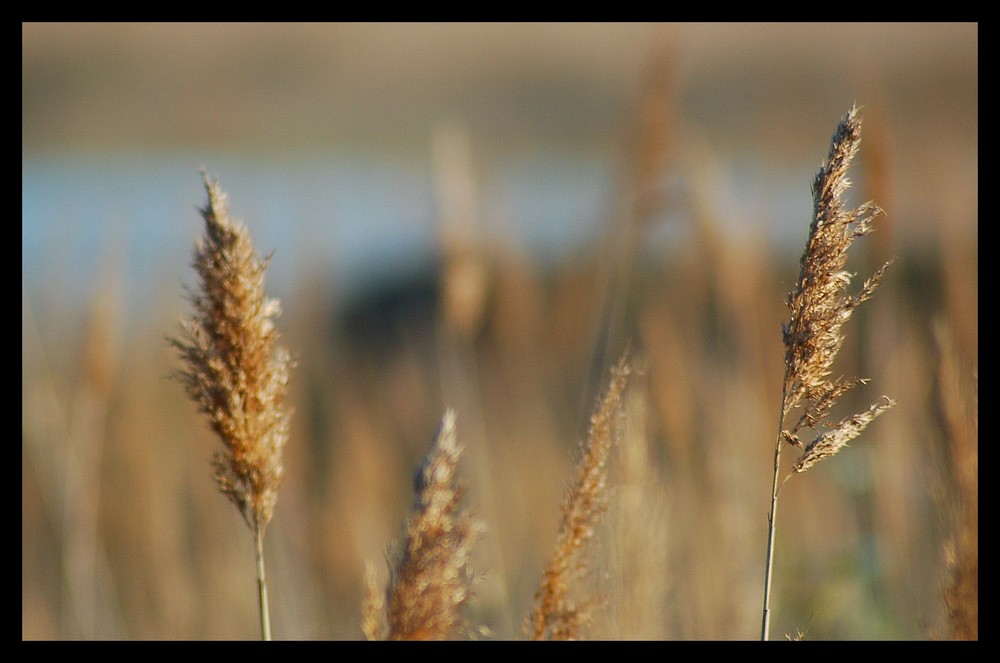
(820, 305)
(430, 572)
(555, 615)
(234, 372)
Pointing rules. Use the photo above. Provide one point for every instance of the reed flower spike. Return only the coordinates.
(555, 615)
(234, 372)
(820, 305)
(430, 571)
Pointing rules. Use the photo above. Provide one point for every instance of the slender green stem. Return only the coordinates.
(769, 564)
(265, 613)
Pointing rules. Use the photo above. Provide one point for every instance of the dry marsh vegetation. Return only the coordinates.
(235, 374)
(661, 526)
(555, 613)
(820, 306)
(430, 573)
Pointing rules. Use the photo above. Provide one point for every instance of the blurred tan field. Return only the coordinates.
(713, 134)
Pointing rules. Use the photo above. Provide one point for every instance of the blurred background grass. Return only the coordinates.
(485, 216)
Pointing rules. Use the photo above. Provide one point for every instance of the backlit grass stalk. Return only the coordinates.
(235, 374)
(554, 614)
(820, 305)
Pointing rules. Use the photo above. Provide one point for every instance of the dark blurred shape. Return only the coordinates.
(397, 312)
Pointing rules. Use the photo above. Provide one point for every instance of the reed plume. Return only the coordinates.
(234, 372)
(555, 615)
(820, 305)
(430, 572)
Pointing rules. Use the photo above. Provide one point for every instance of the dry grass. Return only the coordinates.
(703, 317)
(234, 373)
(556, 614)
(430, 571)
(820, 306)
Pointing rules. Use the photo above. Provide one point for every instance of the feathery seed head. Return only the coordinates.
(430, 573)
(555, 615)
(820, 305)
(232, 371)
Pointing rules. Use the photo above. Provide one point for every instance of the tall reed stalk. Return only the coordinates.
(819, 306)
(235, 374)
(555, 615)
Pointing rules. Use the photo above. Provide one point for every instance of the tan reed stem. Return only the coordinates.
(766, 621)
(265, 611)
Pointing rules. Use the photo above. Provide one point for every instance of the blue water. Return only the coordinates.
(348, 218)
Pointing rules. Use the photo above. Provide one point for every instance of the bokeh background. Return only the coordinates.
(485, 216)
